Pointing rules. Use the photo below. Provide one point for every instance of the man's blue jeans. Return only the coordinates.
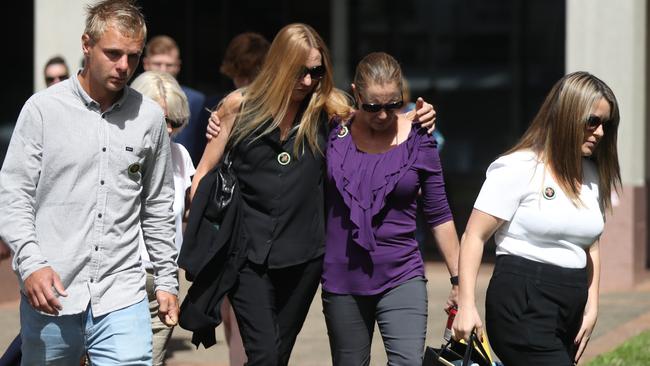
(122, 337)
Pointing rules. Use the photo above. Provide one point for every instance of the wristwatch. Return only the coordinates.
(453, 280)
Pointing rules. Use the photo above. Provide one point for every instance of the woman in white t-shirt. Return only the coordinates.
(165, 90)
(545, 201)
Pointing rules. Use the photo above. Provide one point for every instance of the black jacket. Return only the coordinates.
(211, 256)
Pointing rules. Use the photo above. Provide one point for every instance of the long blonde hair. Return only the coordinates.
(557, 134)
(269, 95)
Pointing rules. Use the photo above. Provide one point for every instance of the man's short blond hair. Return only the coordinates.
(124, 15)
(160, 45)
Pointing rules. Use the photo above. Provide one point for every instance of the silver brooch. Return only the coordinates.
(549, 193)
(343, 132)
(284, 158)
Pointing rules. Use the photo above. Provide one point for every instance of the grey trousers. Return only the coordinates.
(400, 313)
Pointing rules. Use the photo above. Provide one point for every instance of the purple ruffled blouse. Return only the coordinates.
(371, 208)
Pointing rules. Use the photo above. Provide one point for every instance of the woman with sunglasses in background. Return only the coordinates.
(545, 201)
(276, 131)
(377, 161)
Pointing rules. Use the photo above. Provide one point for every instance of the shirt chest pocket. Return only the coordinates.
(130, 163)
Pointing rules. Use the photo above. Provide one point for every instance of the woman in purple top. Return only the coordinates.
(377, 163)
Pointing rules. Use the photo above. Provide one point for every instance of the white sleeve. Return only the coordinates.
(189, 169)
(506, 183)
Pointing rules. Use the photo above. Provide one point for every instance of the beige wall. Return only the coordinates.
(58, 25)
(609, 39)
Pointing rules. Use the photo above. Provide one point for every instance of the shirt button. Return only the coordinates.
(101, 182)
(99, 215)
(96, 248)
(91, 280)
(103, 149)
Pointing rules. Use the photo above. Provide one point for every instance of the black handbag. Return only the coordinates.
(455, 353)
(222, 191)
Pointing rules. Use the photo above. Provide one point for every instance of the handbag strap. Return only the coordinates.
(467, 358)
(227, 159)
(473, 340)
(446, 347)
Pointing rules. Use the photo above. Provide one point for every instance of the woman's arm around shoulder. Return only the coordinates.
(214, 149)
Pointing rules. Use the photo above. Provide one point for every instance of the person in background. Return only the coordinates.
(241, 63)
(165, 90)
(163, 54)
(88, 168)
(545, 201)
(244, 57)
(55, 70)
(373, 272)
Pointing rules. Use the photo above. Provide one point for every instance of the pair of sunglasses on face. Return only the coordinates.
(593, 122)
(174, 123)
(51, 79)
(376, 107)
(316, 72)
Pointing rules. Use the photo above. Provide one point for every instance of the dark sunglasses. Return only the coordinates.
(376, 107)
(174, 123)
(593, 122)
(316, 72)
(51, 79)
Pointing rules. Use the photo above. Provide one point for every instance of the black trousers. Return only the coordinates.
(533, 311)
(271, 306)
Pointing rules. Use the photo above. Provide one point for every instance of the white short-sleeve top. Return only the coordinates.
(542, 223)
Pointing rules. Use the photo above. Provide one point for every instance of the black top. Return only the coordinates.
(282, 204)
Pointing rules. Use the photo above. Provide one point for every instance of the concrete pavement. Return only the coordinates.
(623, 314)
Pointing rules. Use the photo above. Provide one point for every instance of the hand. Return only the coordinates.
(167, 308)
(5, 251)
(467, 319)
(424, 114)
(39, 289)
(584, 334)
(214, 126)
(452, 300)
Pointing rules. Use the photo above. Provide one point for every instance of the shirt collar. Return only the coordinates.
(89, 102)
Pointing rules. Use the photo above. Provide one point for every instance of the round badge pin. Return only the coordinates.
(134, 168)
(549, 193)
(284, 158)
(343, 132)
